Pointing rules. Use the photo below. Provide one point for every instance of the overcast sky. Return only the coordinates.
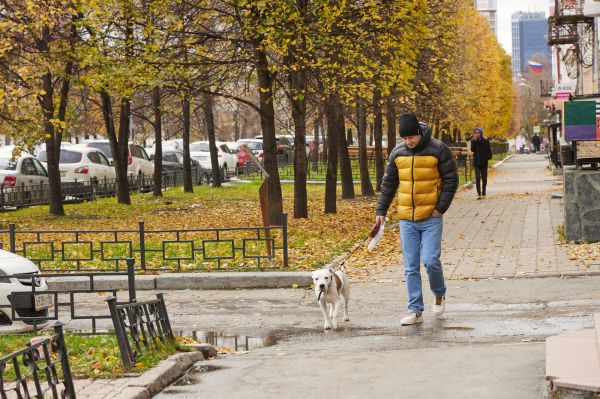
(506, 8)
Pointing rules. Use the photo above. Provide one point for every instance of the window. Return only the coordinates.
(225, 149)
(93, 157)
(200, 147)
(41, 171)
(171, 157)
(8, 164)
(65, 156)
(103, 160)
(135, 151)
(104, 147)
(28, 168)
(179, 157)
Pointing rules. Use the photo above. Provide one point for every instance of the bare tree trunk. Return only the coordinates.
(157, 187)
(365, 181)
(52, 147)
(297, 81)
(212, 140)
(267, 122)
(332, 107)
(325, 133)
(391, 125)
(378, 134)
(315, 155)
(188, 186)
(345, 166)
(371, 134)
(119, 145)
(236, 124)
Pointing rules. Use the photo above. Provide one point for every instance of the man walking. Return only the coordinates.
(482, 153)
(424, 173)
(536, 141)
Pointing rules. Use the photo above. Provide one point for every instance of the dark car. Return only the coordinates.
(172, 163)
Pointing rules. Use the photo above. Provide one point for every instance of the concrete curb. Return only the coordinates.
(158, 378)
(183, 281)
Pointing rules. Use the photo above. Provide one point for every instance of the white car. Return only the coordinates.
(25, 305)
(227, 160)
(80, 163)
(138, 161)
(24, 170)
(22, 178)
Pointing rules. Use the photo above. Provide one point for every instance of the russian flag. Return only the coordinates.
(536, 67)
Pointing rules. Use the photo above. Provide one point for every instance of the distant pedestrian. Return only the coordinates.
(536, 141)
(520, 144)
(424, 173)
(482, 153)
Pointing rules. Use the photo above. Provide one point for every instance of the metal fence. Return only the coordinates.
(139, 326)
(35, 305)
(22, 196)
(41, 370)
(167, 250)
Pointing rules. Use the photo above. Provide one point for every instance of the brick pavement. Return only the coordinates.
(512, 233)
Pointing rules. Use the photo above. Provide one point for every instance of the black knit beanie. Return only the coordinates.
(409, 125)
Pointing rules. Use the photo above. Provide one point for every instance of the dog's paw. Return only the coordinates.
(327, 326)
(346, 318)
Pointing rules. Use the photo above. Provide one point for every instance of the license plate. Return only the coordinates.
(43, 301)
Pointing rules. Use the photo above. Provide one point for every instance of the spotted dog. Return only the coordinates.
(331, 287)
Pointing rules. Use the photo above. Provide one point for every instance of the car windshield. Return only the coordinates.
(8, 164)
(254, 145)
(65, 156)
(201, 147)
(104, 147)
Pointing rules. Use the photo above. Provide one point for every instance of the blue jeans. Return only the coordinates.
(422, 240)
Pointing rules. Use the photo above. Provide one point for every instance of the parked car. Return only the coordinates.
(138, 161)
(25, 305)
(172, 161)
(79, 163)
(23, 178)
(227, 161)
(242, 151)
(285, 149)
(255, 145)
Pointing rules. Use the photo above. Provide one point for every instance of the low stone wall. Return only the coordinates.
(582, 205)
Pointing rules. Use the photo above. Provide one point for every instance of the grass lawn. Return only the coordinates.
(91, 356)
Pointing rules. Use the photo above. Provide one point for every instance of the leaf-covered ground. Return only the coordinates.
(313, 242)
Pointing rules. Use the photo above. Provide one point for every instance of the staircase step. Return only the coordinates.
(572, 360)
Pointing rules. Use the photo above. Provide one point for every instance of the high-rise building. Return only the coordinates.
(529, 31)
(488, 8)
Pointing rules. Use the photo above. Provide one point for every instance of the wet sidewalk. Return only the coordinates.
(511, 233)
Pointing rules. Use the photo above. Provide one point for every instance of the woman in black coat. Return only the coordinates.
(482, 153)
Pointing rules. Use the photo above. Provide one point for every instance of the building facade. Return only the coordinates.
(529, 31)
(488, 8)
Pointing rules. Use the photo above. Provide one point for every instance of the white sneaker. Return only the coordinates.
(439, 306)
(412, 318)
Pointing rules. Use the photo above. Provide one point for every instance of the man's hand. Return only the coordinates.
(379, 219)
(436, 213)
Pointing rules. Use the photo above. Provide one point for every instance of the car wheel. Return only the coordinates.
(225, 171)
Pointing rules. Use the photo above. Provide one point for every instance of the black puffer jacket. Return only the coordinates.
(425, 178)
(482, 151)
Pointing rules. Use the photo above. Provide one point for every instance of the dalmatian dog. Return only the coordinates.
(331, 288)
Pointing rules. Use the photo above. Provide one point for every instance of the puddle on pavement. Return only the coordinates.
(193, 375)
(235, 342)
